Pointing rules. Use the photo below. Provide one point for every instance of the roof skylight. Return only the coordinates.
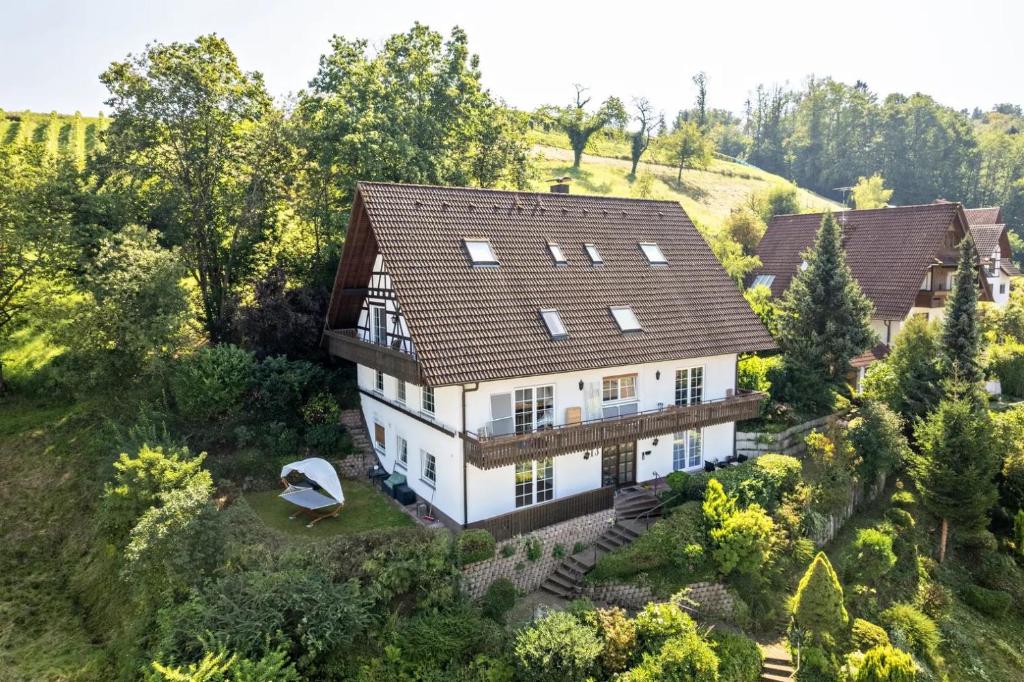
(653, 253)
(625, 318)
(595, 255)
(763, 281)
(553, 321)
(557, 253)
(480, 252)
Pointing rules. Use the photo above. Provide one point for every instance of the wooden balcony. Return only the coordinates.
(529, 519)
(345, 343)
(490, 452)
(928, 298)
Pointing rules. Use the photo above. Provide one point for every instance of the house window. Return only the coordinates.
(690, 386)
(616, 388)
(534, 482)
(400, 391)
(480, 252)
(950, 238)
(378, 381)
(534, 408)
(378, 437)
(553, 321)
(594, 254)
(379, 325)
(625, 318)
(428, 400)
(557, 253)
(402, 456)
(1002, 288)
(653, 253)
(429, 464)
(687, 450)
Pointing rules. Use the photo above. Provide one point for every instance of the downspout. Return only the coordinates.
(465, 486)
(888, 332)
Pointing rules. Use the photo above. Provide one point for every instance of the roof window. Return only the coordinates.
(557, 253)
(480, 252)
(553, 321)
(625, 318)
(763, 281)
(594, 254)
(653, 253)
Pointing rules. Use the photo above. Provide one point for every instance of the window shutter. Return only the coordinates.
(502, 423)
(378, 435)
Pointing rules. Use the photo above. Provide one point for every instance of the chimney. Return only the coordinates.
(560, 185)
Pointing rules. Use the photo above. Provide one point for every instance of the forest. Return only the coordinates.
(164, 274)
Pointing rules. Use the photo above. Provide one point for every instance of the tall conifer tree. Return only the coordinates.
(824, 322)
(960, 334)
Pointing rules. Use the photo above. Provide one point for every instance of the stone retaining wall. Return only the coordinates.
(708, 599)
(355, 465)
(788, 442)
(528, 575)
(861, 495)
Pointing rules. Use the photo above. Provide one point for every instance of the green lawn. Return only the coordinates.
(366, 508)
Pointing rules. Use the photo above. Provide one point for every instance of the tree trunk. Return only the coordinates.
(679, 175)
(3, 384)
(577, 154)
(632, 172)
(943, 537)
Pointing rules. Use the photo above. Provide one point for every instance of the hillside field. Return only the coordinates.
(65, 133)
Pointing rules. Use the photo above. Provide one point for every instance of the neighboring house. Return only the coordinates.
(521, 355)
(993, 243)
(903, 257)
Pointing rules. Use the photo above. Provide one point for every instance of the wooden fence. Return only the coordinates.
(529, 519)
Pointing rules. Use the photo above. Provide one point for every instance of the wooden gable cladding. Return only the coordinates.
(355, 268)
(497, 451)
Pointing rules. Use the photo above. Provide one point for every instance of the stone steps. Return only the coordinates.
(567, 578)
(777, 666)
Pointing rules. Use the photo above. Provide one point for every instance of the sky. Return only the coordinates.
(966, 53)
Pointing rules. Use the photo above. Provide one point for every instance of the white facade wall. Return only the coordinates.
(1000, 287)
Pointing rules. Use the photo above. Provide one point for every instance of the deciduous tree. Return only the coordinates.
(870, 192)
(580, 125)
(641, 138)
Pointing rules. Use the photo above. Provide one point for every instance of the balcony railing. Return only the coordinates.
(345, 343)
(491, 451)
(931, 298)
(529, 519)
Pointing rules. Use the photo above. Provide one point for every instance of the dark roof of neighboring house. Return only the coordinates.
(988, 215)
(986, 239)
(471, 324)
(870, 356)
(888, 250)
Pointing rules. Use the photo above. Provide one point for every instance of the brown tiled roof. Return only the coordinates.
(986, 239)
(988, 215)
(471, 324)
(888, 250)
(870, 356)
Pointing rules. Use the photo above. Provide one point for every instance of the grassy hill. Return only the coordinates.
(707, 195)
(65, 133)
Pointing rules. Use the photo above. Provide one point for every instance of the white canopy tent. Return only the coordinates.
(321, 474)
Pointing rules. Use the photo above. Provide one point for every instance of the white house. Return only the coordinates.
(989, 233)
(521, 355)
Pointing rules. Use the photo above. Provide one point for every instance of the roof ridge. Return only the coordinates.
(948, 205)
(514, 192)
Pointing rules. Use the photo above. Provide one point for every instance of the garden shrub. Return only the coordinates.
(557, 648)
(900, 518)
(213, 383)
(739, 657)
(829, 471)
(1018, 531)
(618, 636)
(534, 549)
(685, 658)
(872, 555)
(1006, 361)
(866, 635)
(499, 599)
(743, 542)
(476, 544)
(876, 434)
(782, 470)
(994, 603)
(903, 499)
(659, 622)
(911, 629)
(817, 664)
(225, 667)
(818, 606)
(450, 636)
(886, 664)
(324, 432)
(281, 387)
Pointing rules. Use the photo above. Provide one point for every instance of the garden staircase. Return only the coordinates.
(635, 508)
(777, 666)
(353, 422)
